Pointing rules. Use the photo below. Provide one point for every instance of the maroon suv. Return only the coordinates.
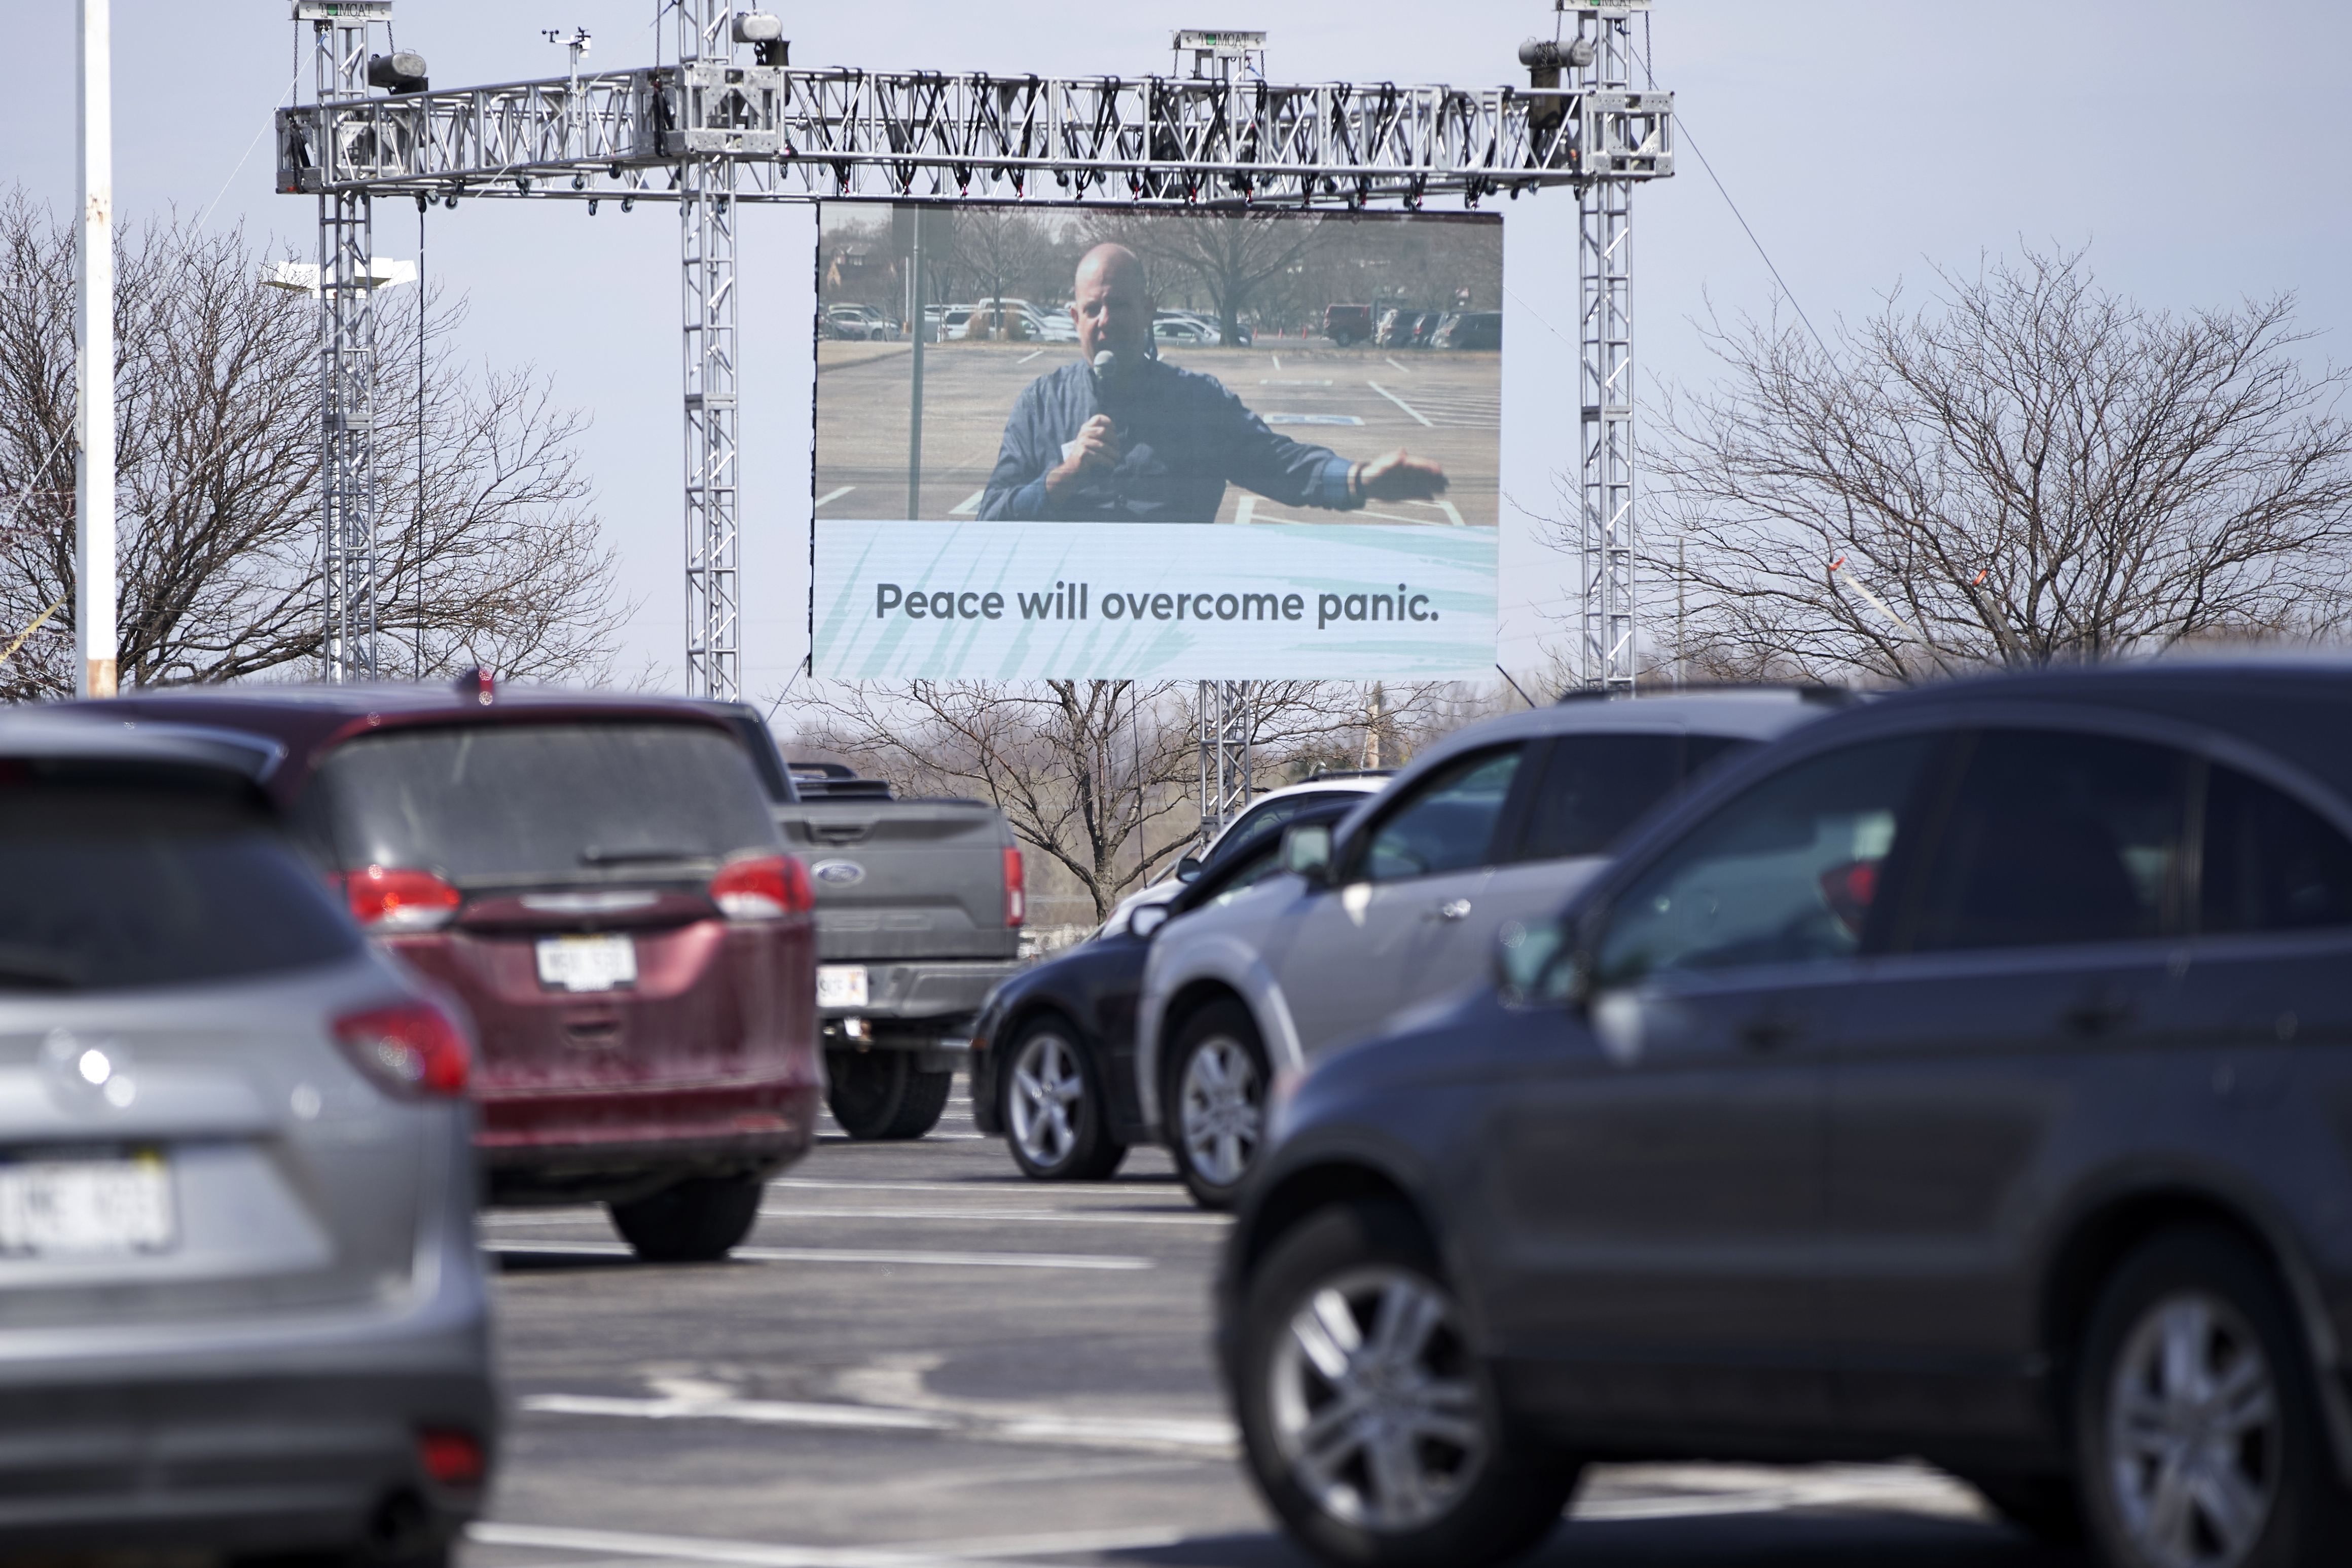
(601, 882)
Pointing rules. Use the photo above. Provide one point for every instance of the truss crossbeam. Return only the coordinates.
(802, 134)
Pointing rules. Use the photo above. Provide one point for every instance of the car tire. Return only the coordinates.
(1216, 1102)
(698, 1221)
(1311, 1345)
(1057, 1123)
(882, 1095)
(2198, 1439)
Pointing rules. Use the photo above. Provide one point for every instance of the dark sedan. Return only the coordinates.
(1966, 1076)
(1052, 1055)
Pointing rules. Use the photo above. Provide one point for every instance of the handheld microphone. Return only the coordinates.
(1106, 365)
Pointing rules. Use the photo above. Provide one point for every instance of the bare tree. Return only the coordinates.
(2026, 470)
(217, 455)
(1000, 248)
(1231, 254)
(1098, 776)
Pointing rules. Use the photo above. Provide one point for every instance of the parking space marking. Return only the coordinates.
(1273, 381)
(1092, 1261)
(968, 506)
(1399, 401)
(1278, 360)
(1408, 371)
(1247, 512)
(1009, 1186)
(1152, 1434)
(1318, 418)
(764, 1555)
(1029, 356)
(835, 494)
(1041, 1216)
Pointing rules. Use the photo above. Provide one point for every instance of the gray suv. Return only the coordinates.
(1965, 1076)
(241, 1306)
(1501, 820)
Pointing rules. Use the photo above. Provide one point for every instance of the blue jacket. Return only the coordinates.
(1182, 436)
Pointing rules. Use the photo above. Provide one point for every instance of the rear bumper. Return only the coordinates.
(939, 992)
(568, 1147)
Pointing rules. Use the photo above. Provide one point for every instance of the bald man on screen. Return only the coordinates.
(1121, 436)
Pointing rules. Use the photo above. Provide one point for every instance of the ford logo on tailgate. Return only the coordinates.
(838, 873)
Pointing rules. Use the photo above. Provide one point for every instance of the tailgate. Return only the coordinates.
(904, 879)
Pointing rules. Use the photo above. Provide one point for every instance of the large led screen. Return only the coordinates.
(1105, 442)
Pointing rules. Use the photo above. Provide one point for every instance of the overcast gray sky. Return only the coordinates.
(2200, 153)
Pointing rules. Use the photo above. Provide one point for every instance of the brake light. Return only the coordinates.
(410, 1049)
(767, 888)
(391, 898)
(1016, 899)
(451, 1457)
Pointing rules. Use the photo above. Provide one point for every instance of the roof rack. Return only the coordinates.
(1803, 691)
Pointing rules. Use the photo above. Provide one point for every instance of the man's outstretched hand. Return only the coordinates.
(1399, 476)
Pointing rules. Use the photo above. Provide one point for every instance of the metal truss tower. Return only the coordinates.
(348, 512)
(1608, 559)
(710, 134)
(1228, 724)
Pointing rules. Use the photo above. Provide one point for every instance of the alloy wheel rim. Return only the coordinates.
(1375, 1407)
(1221, 1111)
(1048, 1089)
(2193, 1438)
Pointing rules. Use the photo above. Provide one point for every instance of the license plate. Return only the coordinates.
(587, 963)
(841, 985)
(86, 1206)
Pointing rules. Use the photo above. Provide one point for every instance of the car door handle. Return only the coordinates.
(2096, 1016)
(1770, 1030)
(1452, 909)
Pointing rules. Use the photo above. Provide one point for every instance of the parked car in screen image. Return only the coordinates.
(1499, 821)
(241, 1309)
(601, 881)
(1962, 1077)
(1469, 329)
(1053, 1065)
(1183, 331)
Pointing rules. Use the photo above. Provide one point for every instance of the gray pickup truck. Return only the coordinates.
(918, 911)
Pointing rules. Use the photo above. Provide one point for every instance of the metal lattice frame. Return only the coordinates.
(347, 542)
(709, 133)
(1228, 720)
(1607, 560)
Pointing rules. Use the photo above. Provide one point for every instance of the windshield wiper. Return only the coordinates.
(597, 854)
(41, 968)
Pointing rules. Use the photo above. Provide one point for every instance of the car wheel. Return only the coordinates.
(1369, 1426)
(1216, 1102)
(1055, 1122)
(2200, 1444)
(697, 1220)
(880, 1095)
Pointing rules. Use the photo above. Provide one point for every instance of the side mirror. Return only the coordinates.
(1147, 920)
(1307, 851)
(1188, 869)
(1539, 964)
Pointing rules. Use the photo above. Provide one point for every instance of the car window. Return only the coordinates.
(2270, 865)
(1595, 785)
(1447, 823)
(485, 802)
(116, 884)
(1267, 818)
(1787, 872)
(2053, 838)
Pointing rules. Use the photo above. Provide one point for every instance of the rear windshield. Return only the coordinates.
(113, 883)
(519, 802)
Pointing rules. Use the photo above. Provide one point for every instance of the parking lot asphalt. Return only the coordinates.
(1361, 402)
(921, 1358)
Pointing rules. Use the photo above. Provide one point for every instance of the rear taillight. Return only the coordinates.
(765, 889)
(451, 1457)
(411, 1048)
(1017, 898)
(389, 898)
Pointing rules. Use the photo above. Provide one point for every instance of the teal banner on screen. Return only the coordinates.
(1014, 601)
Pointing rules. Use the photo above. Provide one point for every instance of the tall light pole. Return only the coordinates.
(94, 365)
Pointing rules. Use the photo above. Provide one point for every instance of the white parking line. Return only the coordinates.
(1041, 1216)
(992, 1190)
(1029, 356)
(763, 1555)
(1155, 1434)
(1408, 371)
(1399, 401)
(1271, 381)
(1247, 511)
(1278, 360)
(971, 503)
(844, 1255)
(835, 494)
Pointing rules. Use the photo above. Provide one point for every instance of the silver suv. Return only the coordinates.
(241, 1307)
(1503, 820)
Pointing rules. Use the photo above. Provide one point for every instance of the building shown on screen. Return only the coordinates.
(1117, 435)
